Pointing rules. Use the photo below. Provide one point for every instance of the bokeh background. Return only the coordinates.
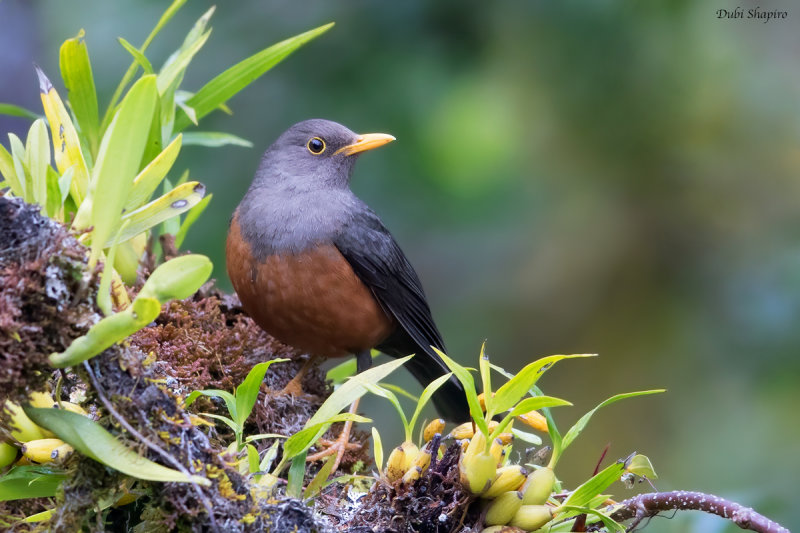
(612, 177)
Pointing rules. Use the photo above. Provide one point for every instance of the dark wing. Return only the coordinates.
(382, 266)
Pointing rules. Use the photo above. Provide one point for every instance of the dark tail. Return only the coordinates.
(450, 400)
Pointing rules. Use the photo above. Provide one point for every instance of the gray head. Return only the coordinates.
(314, 154)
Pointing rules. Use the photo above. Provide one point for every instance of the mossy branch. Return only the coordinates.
(651, 504)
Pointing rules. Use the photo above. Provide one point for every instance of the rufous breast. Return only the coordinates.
(311, 300)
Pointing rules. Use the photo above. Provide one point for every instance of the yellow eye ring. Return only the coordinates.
(316, 145)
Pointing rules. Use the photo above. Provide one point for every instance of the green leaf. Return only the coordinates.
(154, 143)
(306, 437)
(641, 466)
(426, 395)
(227, 397)
(76, 70)
(118, 161)
(252, 458)
(608, 522)
(576, 429)
(108, 331)
(19, 157)
(466, 380)
(247, 392)
(353, 389)
(8, 172)
(92, 440)
(177, 201)
(128, 76)
(486, 380)
(30, 482)
(525, 406)
(294, 485)
(270, 456)
(377, 445)
(178, 278)
(44, 516)
(214, 139)
(225, 85)
(345, 369)
(54, 198)
(389, 395)
(38, 153)
(148, 180)
(517, 387)
(524, 436)
(64, 183)
(597, 484)
(176, 64)
(400, 391)
(260, 436)
(138, 57)
(237, 429)
(190, 112)
(315, 485)
(17, 111)
(191, 217)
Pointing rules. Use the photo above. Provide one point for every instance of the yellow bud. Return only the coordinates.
(41, 450)
(463, 431)
(503, 508)
(496, 449)
(507, 438)
(482, 400)
(467, 430)
(477, 444)
(395, 464)
(411, 454)
(538, 487)
(531, 517)
(420, 464)
(41, 399)
(434, 427)
(74, 407)
(61, 453)
(478, 471)
(8, 454)
(412, 474)
(508, 478)
(502, 529)
(534, 419)
(22, 428)
(423, 459)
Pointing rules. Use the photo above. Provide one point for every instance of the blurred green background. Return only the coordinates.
(611, 177)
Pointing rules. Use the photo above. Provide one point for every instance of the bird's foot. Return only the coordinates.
(339, 446)
(295, 386)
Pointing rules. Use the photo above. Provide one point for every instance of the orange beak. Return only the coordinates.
(365, 142)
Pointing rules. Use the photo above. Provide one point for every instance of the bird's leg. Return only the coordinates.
(342, 443)
(295, 386)
(338, 446)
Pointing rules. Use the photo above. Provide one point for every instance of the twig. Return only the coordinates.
(648, 505)
(154, 447)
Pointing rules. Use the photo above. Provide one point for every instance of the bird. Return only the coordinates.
(317, 269)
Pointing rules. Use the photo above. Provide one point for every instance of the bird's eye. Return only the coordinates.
(316, 146)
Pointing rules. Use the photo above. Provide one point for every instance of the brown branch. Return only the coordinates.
(648, 505)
